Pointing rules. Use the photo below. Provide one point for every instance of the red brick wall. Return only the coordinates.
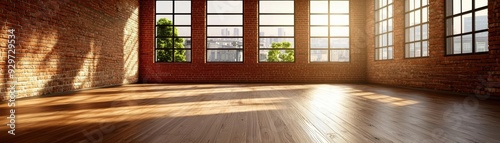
(65, 45)
(478, 74)
(251, 70)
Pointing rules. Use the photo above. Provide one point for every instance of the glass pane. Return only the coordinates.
(319, 55)
(412, 34)
(224, 6)
(163, 43)
(186, 42)
(389, 53)
(449, 26)
(319, 7)
(339, 42)
(481, 3)
(236, 43)
(319, 31)
(167, 17)
(449, 46)
(449, 7)
(339, 55)
(457, 45)
(276, 55)
(319, 42)
(417, 3)
(412, 18)
(467, 23)
(164, 55)
(183, 31)
(276, 6)
(182, 7)
(411, 4)
(319, 19)
(224, 31)
(164, 31)
(164, 6)
(225, 19)
(389, 11)
(276, 31)
(417, 49)
(425, 31)
(481, 19)
(457, 26)
(384, 39)
(467, 43)
(456, 6)
(339, 31)
(417, 17)
(424, 2)
(278, 43)
(224, 55)
(417, 33)
(407, 50)
(389, 25)
(466, 5)
(425, 15)
(425, 49)
(389, 39)
(339, 19)
(339, 6)
(276, 20)
(412, 50)
(482, 42)
(182, 20)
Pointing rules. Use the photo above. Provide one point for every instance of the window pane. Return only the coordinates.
(183, 31)
(164, 6)
(339, 55)
(164, 31)
(186, 42)
(425, 50)
(417, 33)
(224, 31)
(158, 17)
(412, 50)
(319, 7)
(319, 42)
(225, 19)
(481, 3)
(268, 42)
(224, 55)
(417, 49)
(276, 20)
(481, 19)
(236, 43)
(449, 45)
(319, 55)
(224, 6)
(467, 23)
(449, 7)
(449, 26)
(339, 19)
(276, 6)
(319, 19)
(466, 5)
(319, 31)
(456, 6)
(457, 26)
(424, 31)
(163, 43)
(339, 42)
(389, 25)
(457, 45)
(389, 52)
(417, 17)
(389, 38)
(425, 15)
(339, 6)
(339, 31)
(467, 43)
(276, 31)
(182, 7)
(482, 42)
(276, 55)
(182, 20)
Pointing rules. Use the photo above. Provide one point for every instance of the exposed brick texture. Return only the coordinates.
(472, 74)
(251, 70)
(65, 45)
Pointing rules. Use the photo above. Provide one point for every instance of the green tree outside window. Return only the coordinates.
(171, 45)
(275, 55)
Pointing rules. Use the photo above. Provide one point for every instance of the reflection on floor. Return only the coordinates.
(254, 113)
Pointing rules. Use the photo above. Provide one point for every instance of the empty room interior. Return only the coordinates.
(231, 71)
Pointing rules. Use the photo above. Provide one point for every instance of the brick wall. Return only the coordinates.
(65, 45)
(476, 74)
(251, 70)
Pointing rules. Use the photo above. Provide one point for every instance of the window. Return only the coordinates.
(173, 31)
(383, 30)
(276, 31)
(329, 20)
(416, 28)
(466, 26)
(224, 30)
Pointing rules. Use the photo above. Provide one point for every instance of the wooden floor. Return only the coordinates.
(253, 113)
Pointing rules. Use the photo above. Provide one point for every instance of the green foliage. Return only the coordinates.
(165, 29)
(277, 56)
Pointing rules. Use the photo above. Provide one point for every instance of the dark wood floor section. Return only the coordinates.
(233, 113)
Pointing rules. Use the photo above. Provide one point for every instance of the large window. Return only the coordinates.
(383, 30)
(329, 20)
(224, 30)
(416, 28)
(173, 31)
(276, 33)
(466, 26)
